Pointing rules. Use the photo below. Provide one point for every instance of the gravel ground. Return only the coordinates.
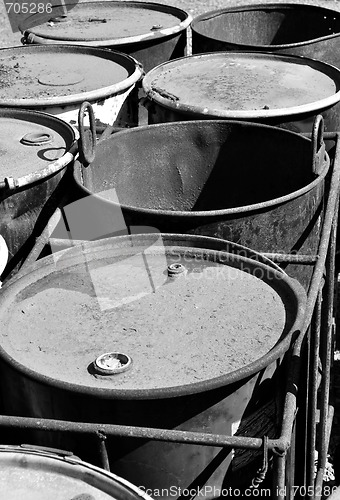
(194, 7)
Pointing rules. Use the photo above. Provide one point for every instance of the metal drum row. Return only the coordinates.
(155, 308)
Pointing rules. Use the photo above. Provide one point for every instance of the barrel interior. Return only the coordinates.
(271, 25)
(199, 166)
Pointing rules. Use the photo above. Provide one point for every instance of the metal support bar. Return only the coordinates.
(313, 390)
(104, 457)
(188, 437)
(326, 352)
(279, 491)
(291, 258)
(41, 241)
(321, 470)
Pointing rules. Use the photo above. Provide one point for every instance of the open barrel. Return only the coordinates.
(281, 28)
(252, 184)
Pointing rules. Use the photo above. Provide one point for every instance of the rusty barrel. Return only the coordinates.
(35, 155)
(120, 331)
(256, 185)
(281, 28)
(150, 32)
(46, 474)
(266, 88)
(57, 79)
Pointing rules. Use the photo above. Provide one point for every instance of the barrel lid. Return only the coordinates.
(243, 85)
(29, 141)
(47, 475)
(120, 295)
(112, 22)
(50, 75)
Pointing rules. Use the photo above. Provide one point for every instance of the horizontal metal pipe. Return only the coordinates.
(187, 437)
(291, 258)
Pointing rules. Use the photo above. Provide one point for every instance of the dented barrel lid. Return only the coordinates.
(109, 22)
(30, 141)
(148, 314)
(243, 85)
(59, 75)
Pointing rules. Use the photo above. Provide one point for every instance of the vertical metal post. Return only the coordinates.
(313, 391)
(104, 457)
(326, 360)
(279, 478)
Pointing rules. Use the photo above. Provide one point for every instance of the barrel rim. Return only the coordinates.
(75, 465)
(213, 213)
(93, 95)
(269, 6)
(288, 286)
(60, 126)
(184, 17)
(194, 110)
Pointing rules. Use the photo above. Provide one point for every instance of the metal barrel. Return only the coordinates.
(134, 342)
(36, 150)
(282, 28)
(57, 79)
(266, 88)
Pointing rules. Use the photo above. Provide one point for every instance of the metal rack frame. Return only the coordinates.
(317, 334)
